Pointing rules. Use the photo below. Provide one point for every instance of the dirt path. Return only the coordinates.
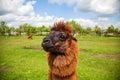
(33, 48)
(111, 56)
(84, 50)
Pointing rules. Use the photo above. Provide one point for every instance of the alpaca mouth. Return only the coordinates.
(48, 48)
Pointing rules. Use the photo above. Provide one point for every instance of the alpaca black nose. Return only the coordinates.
(46, 41)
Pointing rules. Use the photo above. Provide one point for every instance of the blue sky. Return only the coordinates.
(87, 13)
(60, 10)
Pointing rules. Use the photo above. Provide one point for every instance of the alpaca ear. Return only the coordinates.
(73, 38)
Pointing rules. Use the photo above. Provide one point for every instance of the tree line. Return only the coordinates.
(26, 29)
(78, 29)
(23, 29)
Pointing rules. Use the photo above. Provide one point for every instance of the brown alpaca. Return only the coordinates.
(62, 52)
(30, 36)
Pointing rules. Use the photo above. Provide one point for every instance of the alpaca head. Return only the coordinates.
(59, 38)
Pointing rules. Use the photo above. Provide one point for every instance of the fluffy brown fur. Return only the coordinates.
(63, 67)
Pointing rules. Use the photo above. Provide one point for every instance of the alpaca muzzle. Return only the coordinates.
(47, 45)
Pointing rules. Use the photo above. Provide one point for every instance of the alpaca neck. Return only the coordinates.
(58, 53)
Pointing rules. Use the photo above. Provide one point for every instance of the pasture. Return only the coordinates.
(23, 59)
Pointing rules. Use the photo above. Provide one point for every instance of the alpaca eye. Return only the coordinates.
(63, 37)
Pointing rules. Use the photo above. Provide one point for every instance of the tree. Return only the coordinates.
(18, 31)
(25, 28)
(111, 29)
(47, 29)
(12, 29)
(3, 27)
(8, 30)
(98, 30)
(77, 28)
(42, 29)
(88, 30)
(30, 29)
(116, 30)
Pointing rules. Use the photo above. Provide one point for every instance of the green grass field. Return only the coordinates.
(17, 63)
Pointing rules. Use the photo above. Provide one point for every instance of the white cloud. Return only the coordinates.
(85, 22)
(105, 6)
(37, 20)
(100, 7)
(102, 19)
(17, 12)
(17, 7)
(7, 6)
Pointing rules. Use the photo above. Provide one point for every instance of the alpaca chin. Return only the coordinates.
(58, 53)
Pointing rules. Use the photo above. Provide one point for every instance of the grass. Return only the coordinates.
(17, 63)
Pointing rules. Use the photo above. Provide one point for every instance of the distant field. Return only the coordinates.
(99, 59)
